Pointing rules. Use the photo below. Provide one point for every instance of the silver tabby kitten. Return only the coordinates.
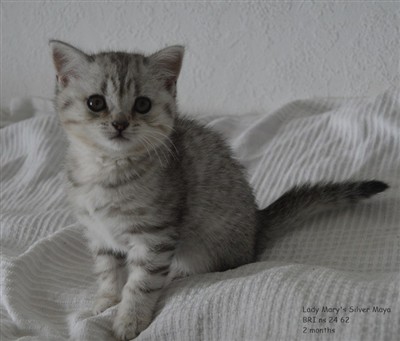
(157, 190)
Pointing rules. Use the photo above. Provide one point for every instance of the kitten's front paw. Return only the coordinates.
(102, 303)
(128, 326)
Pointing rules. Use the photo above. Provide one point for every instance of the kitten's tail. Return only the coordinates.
(302, 202)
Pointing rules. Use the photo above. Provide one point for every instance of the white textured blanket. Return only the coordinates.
(333, 277)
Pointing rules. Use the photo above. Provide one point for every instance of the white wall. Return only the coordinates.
(241, 57)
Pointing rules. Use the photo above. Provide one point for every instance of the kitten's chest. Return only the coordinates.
(110, 214)
(99, 188)
(111, 199)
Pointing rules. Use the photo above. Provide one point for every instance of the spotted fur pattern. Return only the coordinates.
(165, 197)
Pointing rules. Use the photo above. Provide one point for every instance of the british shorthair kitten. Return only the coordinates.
(157, 190)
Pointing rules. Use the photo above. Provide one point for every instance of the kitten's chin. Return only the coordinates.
(119, 139)
(124, 145)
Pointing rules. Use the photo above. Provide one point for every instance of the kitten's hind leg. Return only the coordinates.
(106, 265)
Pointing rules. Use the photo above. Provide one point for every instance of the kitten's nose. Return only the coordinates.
(120, 125)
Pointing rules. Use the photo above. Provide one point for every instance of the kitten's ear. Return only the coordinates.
(167, 63)
(68, 61)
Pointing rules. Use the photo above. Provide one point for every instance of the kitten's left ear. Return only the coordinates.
(167, 63)
(69, 61)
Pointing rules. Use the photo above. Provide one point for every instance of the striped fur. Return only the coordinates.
(166, 197)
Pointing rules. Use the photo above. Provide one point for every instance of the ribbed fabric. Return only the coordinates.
(338, 259)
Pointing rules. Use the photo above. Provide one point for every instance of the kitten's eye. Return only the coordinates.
(96, 103)
(142, 105)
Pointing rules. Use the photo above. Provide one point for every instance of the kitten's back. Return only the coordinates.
(220, 212)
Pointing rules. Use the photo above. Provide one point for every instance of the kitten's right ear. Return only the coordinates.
(167, 63)
(69, 61)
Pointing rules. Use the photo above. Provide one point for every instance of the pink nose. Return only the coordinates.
(120, 125)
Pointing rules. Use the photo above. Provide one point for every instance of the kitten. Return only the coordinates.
(157, 190)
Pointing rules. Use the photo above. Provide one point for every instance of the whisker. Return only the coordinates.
(143, 141)
(161, 150)
(170, 127)
(156, 121)
(166, 146)
(155, 150)
(169, 139)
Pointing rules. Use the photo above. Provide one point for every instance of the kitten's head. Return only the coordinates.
(115, 102)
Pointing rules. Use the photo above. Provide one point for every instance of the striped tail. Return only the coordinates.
(302, 202)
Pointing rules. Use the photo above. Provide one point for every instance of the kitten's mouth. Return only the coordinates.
(119, 137)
